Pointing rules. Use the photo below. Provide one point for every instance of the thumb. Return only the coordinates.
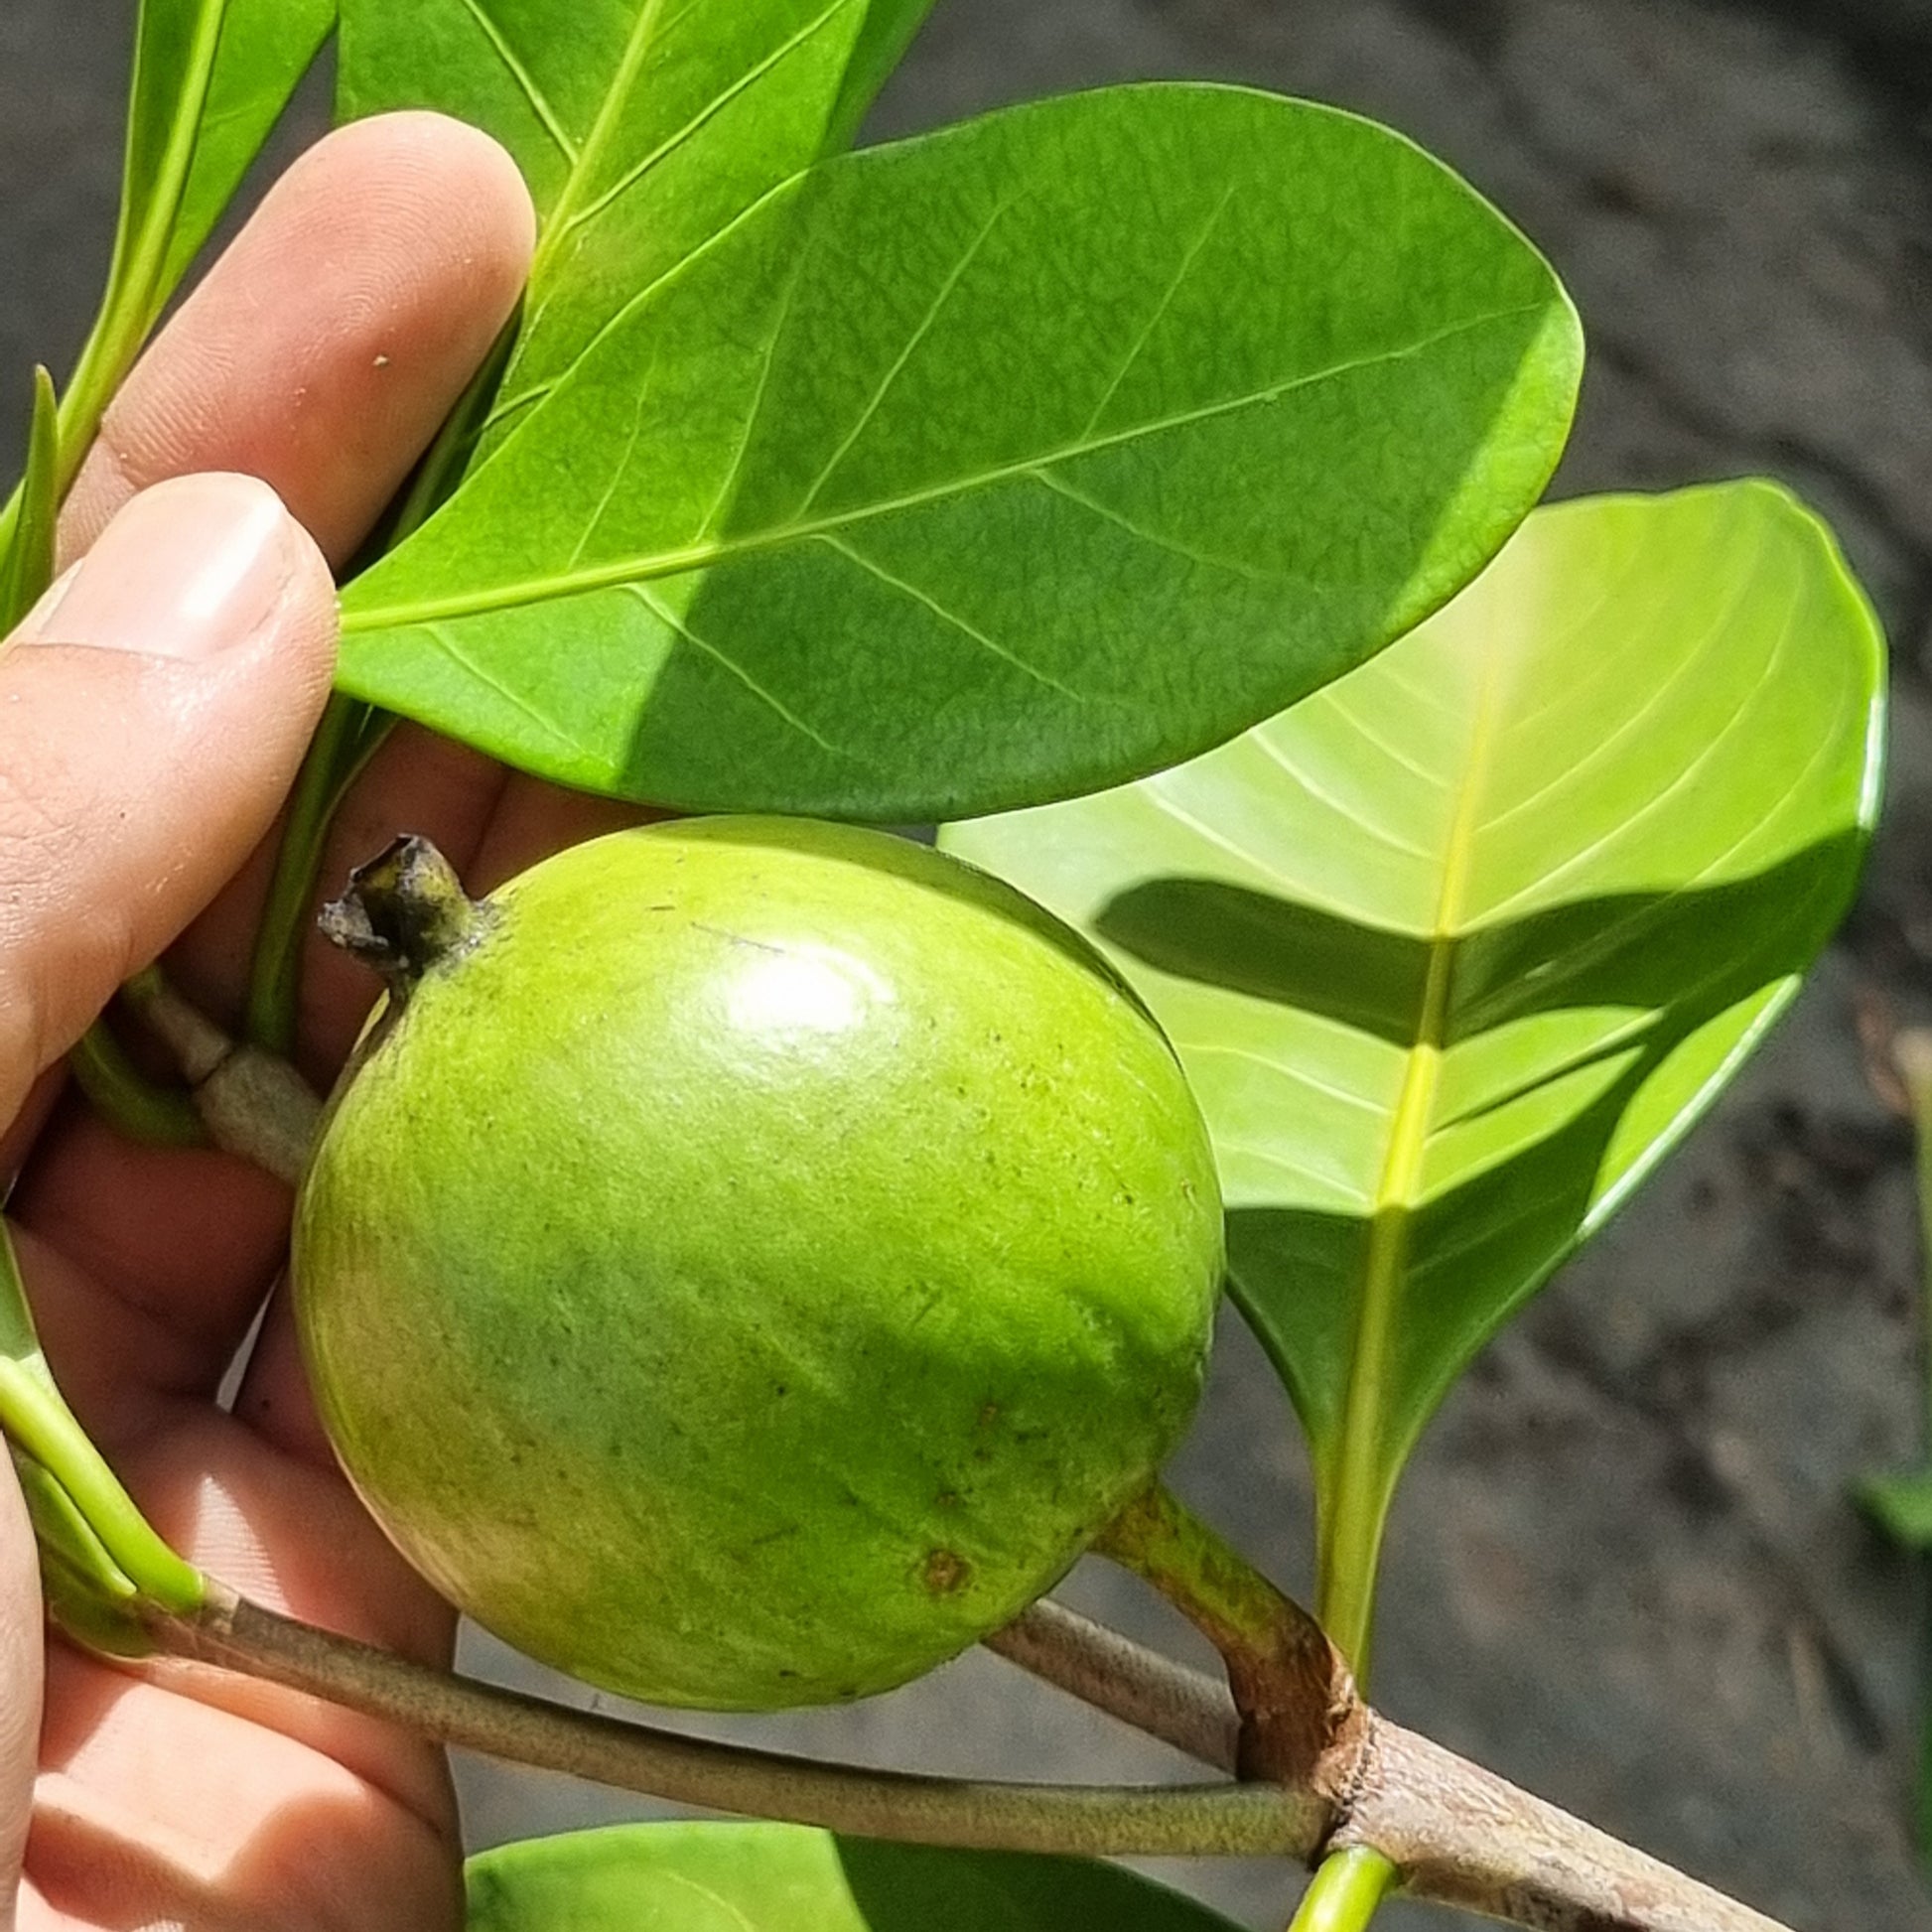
(153, 710)
(20, 1685)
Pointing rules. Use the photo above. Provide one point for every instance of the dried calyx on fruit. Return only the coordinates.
(750, 1259)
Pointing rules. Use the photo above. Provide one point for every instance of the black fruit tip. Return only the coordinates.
(404, 912)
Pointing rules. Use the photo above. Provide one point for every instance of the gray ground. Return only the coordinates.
(1622, 1570)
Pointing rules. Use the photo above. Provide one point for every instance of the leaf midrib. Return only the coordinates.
(1352, 1516)
(643, 30)
(650, 567)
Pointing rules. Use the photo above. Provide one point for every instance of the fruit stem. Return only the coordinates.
(406, 912)
(1301, 1719)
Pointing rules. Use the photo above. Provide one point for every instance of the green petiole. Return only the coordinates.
(1346, 1891)
(95, 1539)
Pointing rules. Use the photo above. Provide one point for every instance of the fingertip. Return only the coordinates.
(329, 343)
(467, 167)
(153, 712)
(192, 567)
(453, 179)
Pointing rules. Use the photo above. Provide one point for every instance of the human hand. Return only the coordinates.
(152, 715)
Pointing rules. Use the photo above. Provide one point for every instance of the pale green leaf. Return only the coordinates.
(706, 1877)
(992, 466)
(1456, 949)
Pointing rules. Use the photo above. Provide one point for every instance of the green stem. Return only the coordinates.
(1351, 1525)
(1345, 1893)
(27, 564)
(38, 1420)
(338, 752)
(1301, 1719)
(1174, 1820)
(135, 291)
(127, 1099)
(85, 1592)
(351, 732)
(1212, 1585)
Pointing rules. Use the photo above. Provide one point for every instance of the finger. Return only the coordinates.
(153, 710)
(333, 337)
(322, 352)
(20, 1685)
(197, 1797)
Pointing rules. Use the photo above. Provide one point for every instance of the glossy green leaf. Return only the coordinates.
(27, 566)
(711, 1877)
(1456, 949)
(883, 40)
(643, 128)
(210, 79)
(992, 467)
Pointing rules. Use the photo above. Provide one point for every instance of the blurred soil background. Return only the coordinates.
(1624, 1569)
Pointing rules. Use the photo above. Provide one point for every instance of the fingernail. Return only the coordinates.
(187, 569)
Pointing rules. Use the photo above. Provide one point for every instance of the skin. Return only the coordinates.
(137, 796)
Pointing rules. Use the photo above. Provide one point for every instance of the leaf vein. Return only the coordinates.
(539, 103)
(668, 618)
(701, 119)
(651, 566)
(897, 366)
(1161, 308)
(874, 569)
(1061, 487)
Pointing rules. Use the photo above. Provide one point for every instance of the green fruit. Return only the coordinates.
(753, 1257)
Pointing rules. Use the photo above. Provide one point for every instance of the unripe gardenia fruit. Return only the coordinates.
(750, 1258)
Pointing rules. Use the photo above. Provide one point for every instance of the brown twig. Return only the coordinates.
(1181, 1707)
(1457, 1834)
(1461, 1836)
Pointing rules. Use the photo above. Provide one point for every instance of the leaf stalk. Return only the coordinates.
(1346, 1891)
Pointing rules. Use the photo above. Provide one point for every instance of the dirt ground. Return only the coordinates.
(1624, 1569)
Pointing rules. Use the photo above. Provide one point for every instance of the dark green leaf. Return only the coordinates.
(992, 467)
(788, 1878)
(1455, 951)
(28, 566)
(644, 127)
